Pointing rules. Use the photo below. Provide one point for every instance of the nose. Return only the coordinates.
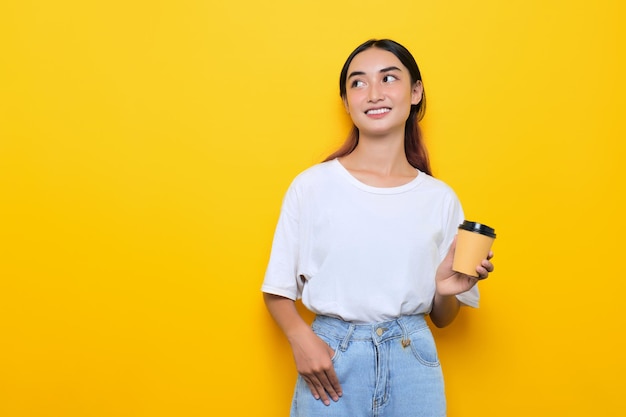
(375, 93)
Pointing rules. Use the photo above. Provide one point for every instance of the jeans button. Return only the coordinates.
(379, 331)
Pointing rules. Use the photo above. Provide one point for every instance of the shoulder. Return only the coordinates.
(316, 175)
(437, 186)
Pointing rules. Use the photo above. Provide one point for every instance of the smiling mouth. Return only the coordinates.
(378, 111)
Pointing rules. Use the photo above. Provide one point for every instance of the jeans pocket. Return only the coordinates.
(333, 343)
(424, 348)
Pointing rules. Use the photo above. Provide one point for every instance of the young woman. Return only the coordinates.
(367, 239)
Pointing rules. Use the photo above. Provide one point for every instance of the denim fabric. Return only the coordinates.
(388, 369)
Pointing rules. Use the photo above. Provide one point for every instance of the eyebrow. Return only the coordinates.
(387, 69)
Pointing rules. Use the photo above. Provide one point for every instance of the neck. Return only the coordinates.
(382, 155)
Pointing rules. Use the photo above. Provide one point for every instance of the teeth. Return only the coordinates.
(378, 111)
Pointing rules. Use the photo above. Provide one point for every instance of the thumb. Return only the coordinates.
(451, 250)
(448, 260)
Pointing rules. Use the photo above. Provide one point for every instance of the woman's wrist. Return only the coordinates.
(445, 299)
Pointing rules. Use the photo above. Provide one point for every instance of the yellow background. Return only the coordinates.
(145, 147)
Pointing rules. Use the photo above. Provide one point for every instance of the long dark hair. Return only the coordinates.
(414, 147)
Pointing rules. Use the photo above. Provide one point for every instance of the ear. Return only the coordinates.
(417, 93)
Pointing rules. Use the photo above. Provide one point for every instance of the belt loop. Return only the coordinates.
(406, 341)
(344, 343)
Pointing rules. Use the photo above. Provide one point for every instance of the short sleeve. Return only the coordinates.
(281, 274)
(455, 217)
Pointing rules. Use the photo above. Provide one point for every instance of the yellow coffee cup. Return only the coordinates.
(473, 244)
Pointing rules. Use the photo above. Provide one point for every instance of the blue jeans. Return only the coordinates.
(388, 369)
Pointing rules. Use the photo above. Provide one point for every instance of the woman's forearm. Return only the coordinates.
(445, 308)
(284, 312)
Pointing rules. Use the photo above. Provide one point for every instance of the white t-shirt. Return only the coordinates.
(361, 253)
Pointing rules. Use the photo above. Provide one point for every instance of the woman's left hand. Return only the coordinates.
(450, 282)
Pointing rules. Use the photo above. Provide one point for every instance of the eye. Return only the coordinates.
(357, 83)
(389, 78)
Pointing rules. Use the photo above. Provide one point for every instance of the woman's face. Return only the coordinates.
(379, 93)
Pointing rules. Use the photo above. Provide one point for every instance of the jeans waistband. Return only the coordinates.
(376, 332)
